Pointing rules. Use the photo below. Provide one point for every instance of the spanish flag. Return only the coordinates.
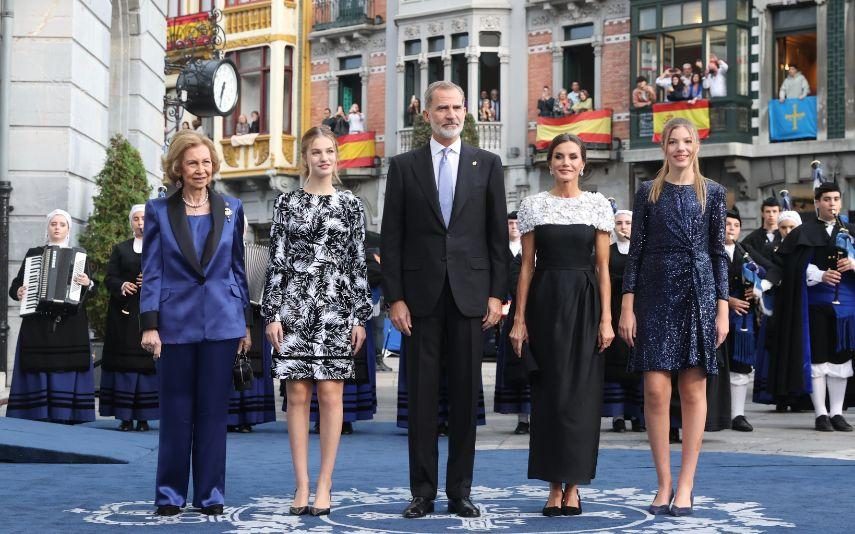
(590, 126)
(356, 150)
(698, 113)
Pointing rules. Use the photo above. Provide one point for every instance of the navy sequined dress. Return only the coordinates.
(677, 268)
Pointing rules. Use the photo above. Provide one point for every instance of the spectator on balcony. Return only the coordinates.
(484, 94)
(715, 79)
(676, 92)
(494, 101)
(255, 123)
(643, 96)
(413, 111)
(485, 112)
(545, 103)
(695, 89)
(328, 119)
(664, 79)
(355, 120)
(795, 85)
(686, 74)
(585, 102)
(185, 125)
(198, 127)
(563, 106)
(575, 92)
(340, 126)
(242, 126)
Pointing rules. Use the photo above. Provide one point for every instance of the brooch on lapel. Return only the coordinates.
(474, 163)
(228, 213)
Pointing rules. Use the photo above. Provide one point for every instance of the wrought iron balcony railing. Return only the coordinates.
(330, 14)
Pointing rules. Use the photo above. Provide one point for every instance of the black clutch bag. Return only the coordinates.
(517, 369)
(242, 372)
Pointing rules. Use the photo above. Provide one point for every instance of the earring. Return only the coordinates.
(179, 184)
(581, 173)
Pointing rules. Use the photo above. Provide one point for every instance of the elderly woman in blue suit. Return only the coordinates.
(194, 316)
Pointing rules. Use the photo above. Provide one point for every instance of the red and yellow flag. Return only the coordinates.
(590, 126)
(356, 150)
(698, 113)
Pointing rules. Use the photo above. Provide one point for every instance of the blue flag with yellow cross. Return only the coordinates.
(792, 119)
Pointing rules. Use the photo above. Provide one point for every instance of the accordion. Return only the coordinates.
(50, 281)
(256, 270)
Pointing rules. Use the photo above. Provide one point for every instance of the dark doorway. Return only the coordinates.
(579, 67)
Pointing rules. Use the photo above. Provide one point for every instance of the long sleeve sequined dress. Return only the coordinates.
(317, 283)
(677, 269)
(562, 316)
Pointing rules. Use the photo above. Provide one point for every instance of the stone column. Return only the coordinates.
(557, 69)
(597, 44)
(423, 73)
(446, 65)
(473, 58)
(363, 78)
(332, 85)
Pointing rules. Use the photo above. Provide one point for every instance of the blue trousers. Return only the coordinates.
(195, 384)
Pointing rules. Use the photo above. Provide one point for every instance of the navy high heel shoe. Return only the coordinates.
(678, 511)
(661, 509)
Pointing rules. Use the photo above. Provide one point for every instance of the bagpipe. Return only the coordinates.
(843, 243)
(744, 342)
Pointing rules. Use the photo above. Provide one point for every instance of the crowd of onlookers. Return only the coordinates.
(577, 100)
(344, 123)
(689, 84)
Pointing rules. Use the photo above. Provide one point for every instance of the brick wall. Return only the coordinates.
(376, 97)
(319, 94)
(539, 72)
(615, 81)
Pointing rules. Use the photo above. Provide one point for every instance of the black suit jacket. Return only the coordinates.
(418, 250)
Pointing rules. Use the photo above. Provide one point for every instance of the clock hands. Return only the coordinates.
(222, 89)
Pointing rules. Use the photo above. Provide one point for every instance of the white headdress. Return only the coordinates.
(50, 216)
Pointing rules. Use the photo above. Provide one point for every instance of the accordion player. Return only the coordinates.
(51, 280)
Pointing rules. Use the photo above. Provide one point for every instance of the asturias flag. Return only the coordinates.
(356, 150)
(793, 119)
(697, 113)
(590, 126)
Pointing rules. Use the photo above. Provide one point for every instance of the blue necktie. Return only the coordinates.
(445, 186)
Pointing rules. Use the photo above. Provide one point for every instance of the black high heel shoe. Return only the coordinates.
(661, 509)
(298, 510)
(552, 511)
(572, 510)
(316, 512)
(682, 511)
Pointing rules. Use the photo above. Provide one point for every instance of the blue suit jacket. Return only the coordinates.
(188, 301)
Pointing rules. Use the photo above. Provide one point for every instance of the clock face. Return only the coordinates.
(225, 86)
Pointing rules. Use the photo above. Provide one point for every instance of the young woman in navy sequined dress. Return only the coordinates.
(674, 310)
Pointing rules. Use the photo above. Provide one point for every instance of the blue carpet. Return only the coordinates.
(734, 492)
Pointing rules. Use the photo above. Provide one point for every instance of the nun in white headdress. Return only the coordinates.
(53, 379)
(129, 384)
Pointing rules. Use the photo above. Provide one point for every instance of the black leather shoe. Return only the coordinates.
(839, 424)
(316, 429)
(463, 507)
(126, 426)
(551, 511)
(522, 428)
(418, 507)
(572, 510)
(346, 429)
(245, 429)
(637, 425)
(674, 436)
(142, 426)
(823, 424)
(232, 428)
(214, 509)
(442, 430)
(167, 510)
(741, 424)
(619, 425)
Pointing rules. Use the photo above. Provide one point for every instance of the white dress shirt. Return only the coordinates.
(730, 249)
(515, 246)
(137, 245)
(813, 275)
(453, 160)
(717, 83)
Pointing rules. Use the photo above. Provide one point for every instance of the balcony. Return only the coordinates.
(330, 14)
(489, 137)
(245, 153)
(248, 17)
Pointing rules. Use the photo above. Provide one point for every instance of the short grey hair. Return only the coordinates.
(444, 85)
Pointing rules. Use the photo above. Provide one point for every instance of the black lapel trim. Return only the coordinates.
(218, 208)
(181, 230)
(423, 168)
(465, 170)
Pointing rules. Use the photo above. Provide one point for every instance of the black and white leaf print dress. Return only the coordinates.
(317, 283)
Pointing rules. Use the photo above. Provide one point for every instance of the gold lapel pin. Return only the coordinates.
(474, 163)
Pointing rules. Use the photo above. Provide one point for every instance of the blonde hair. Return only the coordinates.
(309, 137)
(700, 184)
(174, 157)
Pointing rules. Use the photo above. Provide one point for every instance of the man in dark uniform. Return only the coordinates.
(766, 238)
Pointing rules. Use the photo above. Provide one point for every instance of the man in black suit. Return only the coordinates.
(445, 273)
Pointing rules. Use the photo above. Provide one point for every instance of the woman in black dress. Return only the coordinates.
(129, 388)
(674, 309)
(53, 379)
(564, 312)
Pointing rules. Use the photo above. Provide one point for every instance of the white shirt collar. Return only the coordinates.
(436, 147)
(137, 245)
(730, 249)
(622, 246)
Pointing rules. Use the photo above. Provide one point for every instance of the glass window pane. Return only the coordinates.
(436, 44)
(251, 59)
(692, 13)
(648, 59)
(672, 15)
(289, 52)
(286, 103)
(742, 9)
(717, 9)
(742, 77)
(717, 42)
(489, 38)
(583, 31)
(352, 62)
(412, 47)
(250, 93)
(172, 8)
(436, 70)
(647, 19)
(459, 40)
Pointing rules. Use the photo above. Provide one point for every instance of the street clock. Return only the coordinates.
(211, 87)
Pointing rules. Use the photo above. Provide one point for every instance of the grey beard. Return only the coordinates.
(446, 132)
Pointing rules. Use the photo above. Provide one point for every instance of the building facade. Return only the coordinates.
(80, 72)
